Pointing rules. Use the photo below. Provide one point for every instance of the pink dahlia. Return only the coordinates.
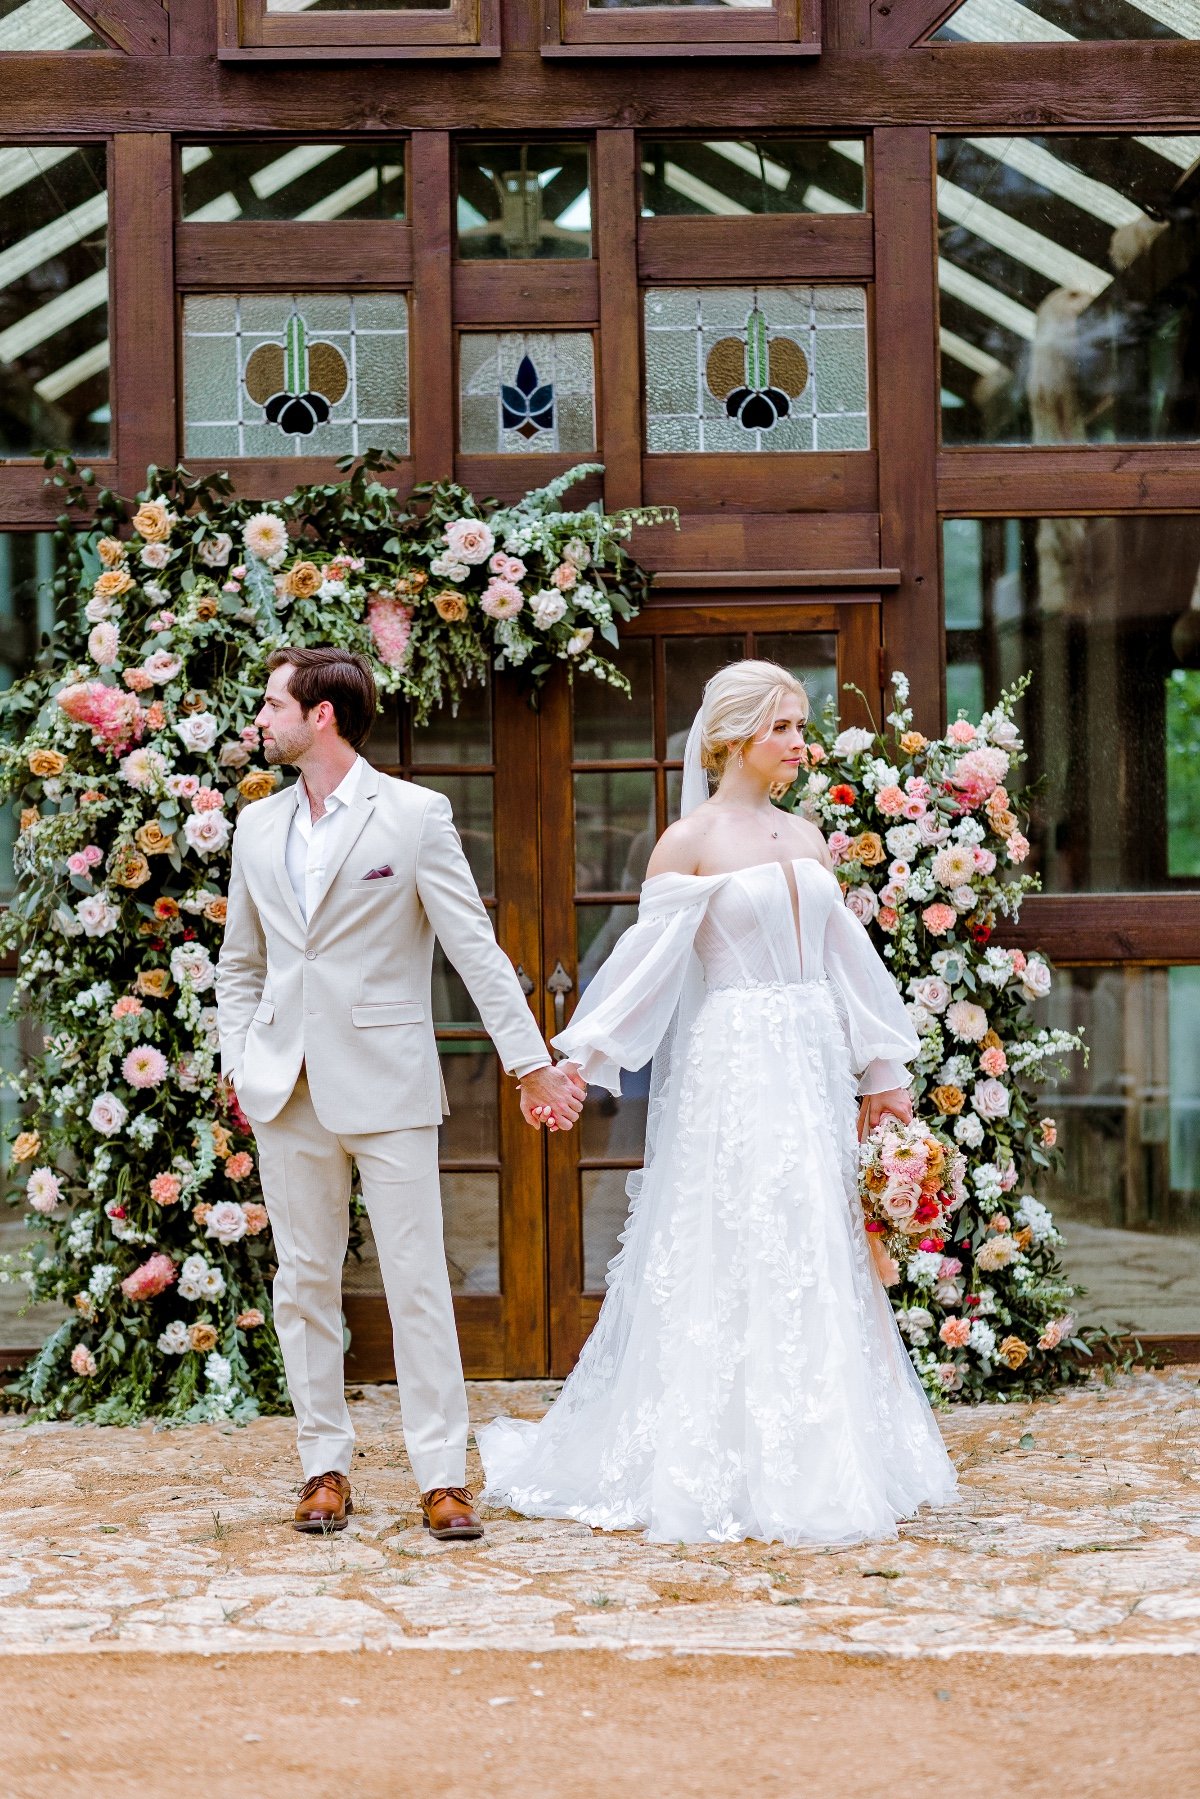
(153, 1277)
(144, 1066)
(390, 624)
(502, 599)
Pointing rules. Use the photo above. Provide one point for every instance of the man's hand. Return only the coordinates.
(897, 1101)
(552, 1096)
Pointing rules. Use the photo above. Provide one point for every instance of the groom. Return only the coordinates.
(338, 888)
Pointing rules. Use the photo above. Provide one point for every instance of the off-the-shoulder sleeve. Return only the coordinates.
(882, 1038)
(628, 1004)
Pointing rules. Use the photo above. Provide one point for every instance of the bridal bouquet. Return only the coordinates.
(911, 1180)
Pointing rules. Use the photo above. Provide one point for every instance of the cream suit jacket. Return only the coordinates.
(348, 994)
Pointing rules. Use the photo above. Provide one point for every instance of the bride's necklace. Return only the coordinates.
(753, 812)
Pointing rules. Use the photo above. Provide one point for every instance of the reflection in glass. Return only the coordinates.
(730, 177)
(608, 727)
(523, 392)
(678, 5)
(596, 931)
(605, 1208)
(615, 830)
(1060, 21)
(470, 797)
(27, 566)
(326, 6)
(382, 748)
(53, 300)
(1105, 613)
(1128, 1195)
(690, 662)
(810, 655)
(457, 737)
(453, 1007)
(471, 1227)
(1067, 269)
(523, 200)
(472, 1128)
(43, 25)
(239, 180)
(756, 368)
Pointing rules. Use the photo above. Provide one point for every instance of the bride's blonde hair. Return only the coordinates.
(739, 706)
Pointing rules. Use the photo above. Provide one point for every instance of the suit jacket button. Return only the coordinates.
(310, 955)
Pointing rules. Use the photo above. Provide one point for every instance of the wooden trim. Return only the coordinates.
(264, 478)
(247, 29)
(142, 316)
(900, 24)
(480, 1336)
(764, 481)
(1155, 929)
(619, 416)
(528, 295)
(335, 254)
(193, 27)
(766, 247)
(1071, 479)
(26, 503)
(684, 578)
(905, 381)
(138, 27)
(432, 374)
(726, 612)
(795, 23)
(508, 477)
(804, 540)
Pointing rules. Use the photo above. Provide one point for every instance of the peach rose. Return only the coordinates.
(1049, 1131)
(46, 764)
(153, 983)
(250, 1319)
(949, 1100)
(112, 583)
(29, 817)
(111, 551)
(302, 580)
(911, 742)
(1013, 1352)
(202, 1338)
(128, 867)
(152, 840)
(152, 521)
(450, 606)
(257, 783)
(26, 1146)
(867, 850)
(205, 606)
(222, 1140)
(217, 910)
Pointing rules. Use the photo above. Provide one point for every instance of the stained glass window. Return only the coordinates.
(1051, 21)
(222, 181)
(756, 368)
(53, 299)
(732, 177)
(523, 391)
(45, 25)
(523, 200)
(295, 375)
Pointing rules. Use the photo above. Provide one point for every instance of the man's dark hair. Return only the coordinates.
(342, 677)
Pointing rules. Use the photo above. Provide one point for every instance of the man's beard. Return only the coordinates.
(285, 750)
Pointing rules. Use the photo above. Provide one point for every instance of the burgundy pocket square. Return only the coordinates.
(379, 874)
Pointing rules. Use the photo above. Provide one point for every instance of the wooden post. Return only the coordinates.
(615, 216)
(433, 366)
(142, 322)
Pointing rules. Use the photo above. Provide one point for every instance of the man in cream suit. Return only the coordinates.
(338, 888)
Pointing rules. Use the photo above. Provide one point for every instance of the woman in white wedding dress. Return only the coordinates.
(745, 1377)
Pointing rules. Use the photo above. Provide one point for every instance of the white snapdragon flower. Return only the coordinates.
(101, 1280)
(982, 1339)
(969, 830)
(917, 1325)
(218, 1371)
(924, 1267)
(1037, 1217)
(143, 1130)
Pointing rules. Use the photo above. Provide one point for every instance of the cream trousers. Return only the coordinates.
(305, 1173)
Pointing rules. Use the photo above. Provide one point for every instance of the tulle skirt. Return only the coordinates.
(745, 1377)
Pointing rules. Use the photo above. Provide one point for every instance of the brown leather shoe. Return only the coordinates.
(450, 1514)
(325, 1503)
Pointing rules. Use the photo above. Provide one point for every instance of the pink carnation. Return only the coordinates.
(1018, 959)
(145, 1066)
(128, 1006)
(890, 801)
(165, 1189)
(207, 799)
(565, 576)
(955, 1333)
(961, 732)
(993, 1061)
(1018, 847)
(501, 599)
(938, 919)
(153, 1277)
(137, 680)
(390, 625)
(115, 718)
(239, 1166)
(83, 1361)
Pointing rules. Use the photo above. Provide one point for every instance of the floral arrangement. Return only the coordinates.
(912, 1181)
(128, 755)
(926, 840)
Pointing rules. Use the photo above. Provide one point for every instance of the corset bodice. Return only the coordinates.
(752, 934)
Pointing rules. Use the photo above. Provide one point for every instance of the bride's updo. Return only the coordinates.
(739, 706)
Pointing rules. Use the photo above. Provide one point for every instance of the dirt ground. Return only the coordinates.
(598, 1726)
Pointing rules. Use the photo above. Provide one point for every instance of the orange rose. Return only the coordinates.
(1024, 1237)
(202, 1338)
(249, 1320)
(948, 1100)
(222, 1140)
(154, 841)
(1013, 1352)
(153, 521)
(302, 580)
(217, 910)
(257, 783)
(912, 741)
(128, 867)
(413, 584)
(112, 583)
(46, 764)
(451, 606)
(990, 1040)
(29, 817)
(205, 606)
(193, 701)
(111, 551)
(26, 1146)
(867, 850)
(153, 983)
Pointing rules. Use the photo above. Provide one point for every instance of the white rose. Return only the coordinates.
(233, 755)
(161, 666)
(547, 607)
(1003, 732)
(990, 1099)
(931, 830)
(226, 1222)
(197, 732)
(968, 1130)
(817, 783)
(215, 551)
(863, 903)
(206, 832)
(930, 992)
(155, 555)
(902, 840)
(174, 1340)
(107, 1114)
(448, 568)
(1036, 979)
(96, 610)
(963, 898)
(469, 540)
(98, 915)
(852, 742)
(213, 1284)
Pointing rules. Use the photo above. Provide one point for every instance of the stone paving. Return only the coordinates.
(1078, 1535)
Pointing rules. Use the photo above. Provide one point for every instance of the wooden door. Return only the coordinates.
(610, 778)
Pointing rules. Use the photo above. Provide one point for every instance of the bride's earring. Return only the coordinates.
(740, 759)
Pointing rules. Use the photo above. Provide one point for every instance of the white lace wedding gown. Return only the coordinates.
(745, 1377)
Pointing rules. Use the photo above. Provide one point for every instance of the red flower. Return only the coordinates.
(841, 795)
(926, 1211)
(189, 934)
(932, 1243)
(980, 933)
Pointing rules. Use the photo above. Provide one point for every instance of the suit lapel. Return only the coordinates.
(277, 849)
(359, 811)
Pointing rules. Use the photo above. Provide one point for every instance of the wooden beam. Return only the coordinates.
(271, 478)
(27, 504)
(433, 366)
(899, 24)
(507, 477)
(766, 481)
(1155, 929)
(338, 254)
(139, 27)
(619, 413)
(142, 318)
(770, 247)
(906, 415)
(808, 578)
(526, 294)
(1071, 479)
(817, 540)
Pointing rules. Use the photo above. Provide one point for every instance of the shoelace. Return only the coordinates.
(316, 1481)
(459, 1493)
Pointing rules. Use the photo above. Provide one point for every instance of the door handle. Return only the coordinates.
(524, 981)
(560, 984)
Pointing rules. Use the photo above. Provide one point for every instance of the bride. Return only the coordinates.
(745, 1377)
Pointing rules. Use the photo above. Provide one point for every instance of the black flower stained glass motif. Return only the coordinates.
(528, 407)
(296, 383)
(757, 377)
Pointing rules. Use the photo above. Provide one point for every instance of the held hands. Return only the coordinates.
(897, 1101)
(552, 1096)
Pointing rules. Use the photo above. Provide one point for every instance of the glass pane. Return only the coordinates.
(1057, 21)
(609, 728)
(756, 368)
(615, 830)
(471, 1229)
(690, 662)
(401, 6)
(471, 798)
(456, 737)
(294, 374)
(605, 1208)
(53, 300)
(609, 1126)
(523, 200)
(471, 1072)
(45, 25)
(1101, 612)
(382, 748)
(525, 391)
(812, 655)
(292, 181)
(453, 1007)
(1067, 269)
(17, 1331)
(679, 5)
(729, 177)
(1128, 1196)
(27, 566)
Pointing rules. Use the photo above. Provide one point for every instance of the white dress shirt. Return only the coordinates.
(310, 843)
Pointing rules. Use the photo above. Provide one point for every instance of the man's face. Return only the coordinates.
(286, 733)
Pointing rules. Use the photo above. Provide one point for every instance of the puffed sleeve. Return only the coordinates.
(628, 1004)
(881, 1036)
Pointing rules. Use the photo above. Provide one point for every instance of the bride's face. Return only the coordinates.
(777, 754)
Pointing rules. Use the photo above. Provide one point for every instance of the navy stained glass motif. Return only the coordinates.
(527, 407)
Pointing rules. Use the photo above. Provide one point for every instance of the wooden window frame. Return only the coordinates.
(786, 27)
(247, 30)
